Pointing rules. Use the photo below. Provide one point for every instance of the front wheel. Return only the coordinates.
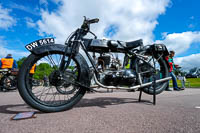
(60, 91)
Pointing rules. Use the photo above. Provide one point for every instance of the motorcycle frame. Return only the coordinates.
(136, 56)
(76, 40)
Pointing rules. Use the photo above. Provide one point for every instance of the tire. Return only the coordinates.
(47, 98)
(9, 83)
(162, 71)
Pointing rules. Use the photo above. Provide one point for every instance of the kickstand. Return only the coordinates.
(154, 91)
(140, 95)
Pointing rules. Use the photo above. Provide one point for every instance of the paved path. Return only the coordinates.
(117, 112)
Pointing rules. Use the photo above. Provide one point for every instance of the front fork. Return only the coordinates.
(71, 51)
(64, 64)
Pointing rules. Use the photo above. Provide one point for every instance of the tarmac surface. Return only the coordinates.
(117, 112)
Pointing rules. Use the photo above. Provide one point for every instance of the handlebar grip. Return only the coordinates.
(96, 20)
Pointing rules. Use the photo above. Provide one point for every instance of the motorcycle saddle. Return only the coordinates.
(134, 44)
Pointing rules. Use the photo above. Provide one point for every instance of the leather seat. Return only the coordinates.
(134, 44)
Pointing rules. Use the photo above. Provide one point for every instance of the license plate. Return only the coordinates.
(38, 43)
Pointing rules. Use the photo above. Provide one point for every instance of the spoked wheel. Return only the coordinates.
(69, 77)
(60, 91)
(9, 83)
(153, 68)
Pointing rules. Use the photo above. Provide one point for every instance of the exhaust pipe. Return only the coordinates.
(134, 87)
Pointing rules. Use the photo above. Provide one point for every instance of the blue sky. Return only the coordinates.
(173, 22)
(181, 16)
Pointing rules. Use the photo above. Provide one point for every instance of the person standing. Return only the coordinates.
(45, 79)
(171, 69)
(8, 62)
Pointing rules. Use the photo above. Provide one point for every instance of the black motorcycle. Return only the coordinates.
(8, 79)
(71, 73)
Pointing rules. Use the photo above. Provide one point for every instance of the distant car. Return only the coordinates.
(194, 73)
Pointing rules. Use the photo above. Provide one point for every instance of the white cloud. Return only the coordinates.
(6, 20)
(45, 2)
(188, 62)
(28, 9)
(15, 53)
(135, 18)
(30, 23)
(180, 42)
(5, 51)
(2, 43)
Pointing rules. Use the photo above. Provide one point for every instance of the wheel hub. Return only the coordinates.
(56, 78)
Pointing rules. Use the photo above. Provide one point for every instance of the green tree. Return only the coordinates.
(20, 61)
(42, 69)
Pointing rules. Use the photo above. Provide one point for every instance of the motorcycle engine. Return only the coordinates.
(124, 77)
(113, 74)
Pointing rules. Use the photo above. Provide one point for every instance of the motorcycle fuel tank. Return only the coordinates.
(101, 45)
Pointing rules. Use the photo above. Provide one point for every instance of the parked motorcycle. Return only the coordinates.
(8, 79)
(72, 73)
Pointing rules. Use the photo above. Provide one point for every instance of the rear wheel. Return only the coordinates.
(153, 67)
(58, 91)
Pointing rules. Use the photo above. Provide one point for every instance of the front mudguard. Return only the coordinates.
(48, 48)
(84, 73)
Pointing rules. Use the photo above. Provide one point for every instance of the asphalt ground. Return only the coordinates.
(117, 112)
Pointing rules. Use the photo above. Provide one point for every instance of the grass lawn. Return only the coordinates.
(190, 83)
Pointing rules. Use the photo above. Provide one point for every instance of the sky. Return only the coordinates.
(175, 23)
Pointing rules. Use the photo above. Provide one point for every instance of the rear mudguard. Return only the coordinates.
(157, 50)
(84, 78)
(157, 55)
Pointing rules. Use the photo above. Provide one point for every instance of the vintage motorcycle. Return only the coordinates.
(8, 79)
(138, 67)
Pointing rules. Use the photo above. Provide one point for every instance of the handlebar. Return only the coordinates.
(80, 33)
(96, 20)
(86, 25)
(88, 21)
(85, 28)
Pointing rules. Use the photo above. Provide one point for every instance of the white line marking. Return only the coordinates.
(197, 107)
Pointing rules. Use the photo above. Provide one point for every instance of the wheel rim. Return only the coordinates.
(160, 72)
(52, 92)
(9, 83)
